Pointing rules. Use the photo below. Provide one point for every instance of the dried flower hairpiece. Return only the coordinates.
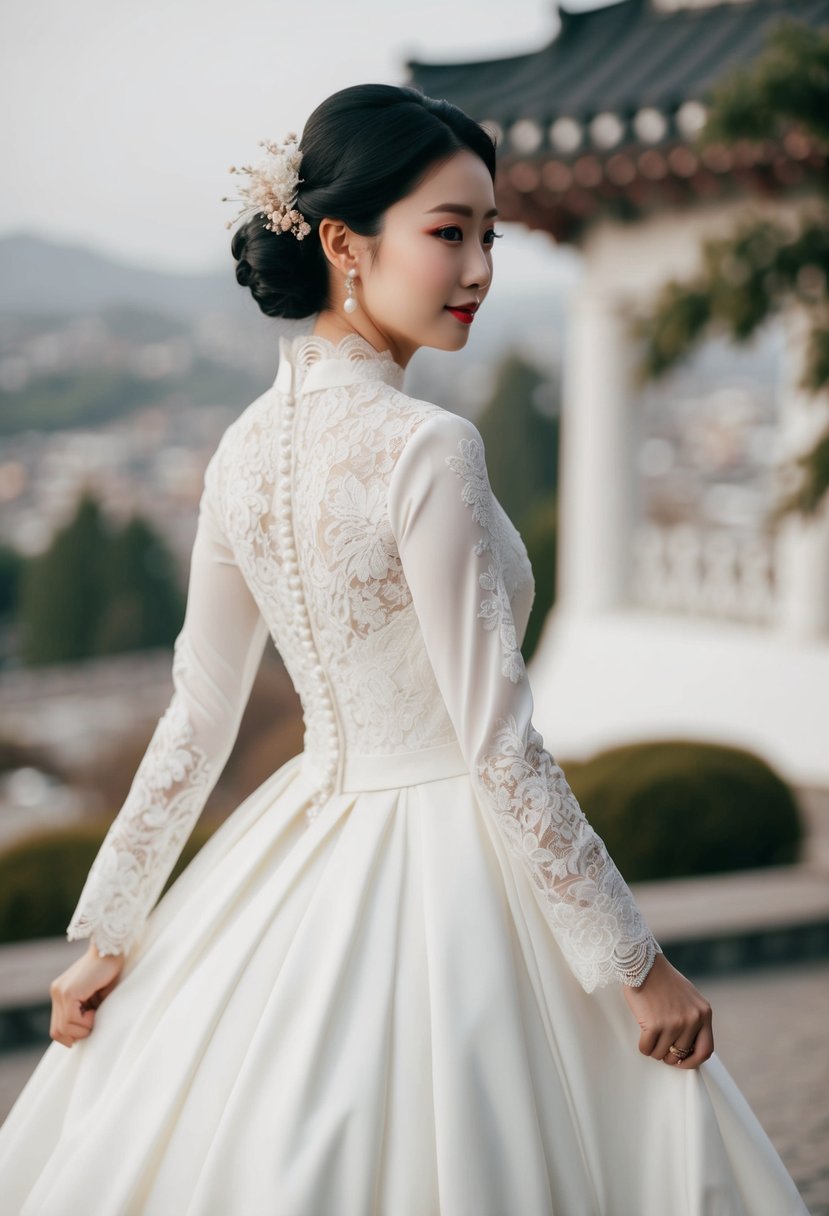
(273, 188)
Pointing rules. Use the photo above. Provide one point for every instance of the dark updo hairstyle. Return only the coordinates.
(363, 149)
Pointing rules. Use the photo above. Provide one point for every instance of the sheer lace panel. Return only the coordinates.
(347, 442)
(254, 491)
(303, 481)
(146, 837)
(589, 906)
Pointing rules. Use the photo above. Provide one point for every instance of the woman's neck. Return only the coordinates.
(331, 326)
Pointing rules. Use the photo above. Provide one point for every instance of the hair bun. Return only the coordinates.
(286, 277)
(244, 273)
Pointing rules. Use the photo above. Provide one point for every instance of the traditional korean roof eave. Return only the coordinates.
(561, 197)
(603, 119)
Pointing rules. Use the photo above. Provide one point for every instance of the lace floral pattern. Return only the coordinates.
(590, 908)
(347, 443)
(243, 477)
(346, 605)
(495, 612)
(145, 839)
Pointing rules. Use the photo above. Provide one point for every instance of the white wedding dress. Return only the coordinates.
(390, 984)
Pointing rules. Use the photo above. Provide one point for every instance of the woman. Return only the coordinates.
(399, 979)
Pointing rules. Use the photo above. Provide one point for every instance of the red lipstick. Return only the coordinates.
(464, 312)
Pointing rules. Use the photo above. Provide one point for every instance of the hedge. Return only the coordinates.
(42, 875)
(672, 808)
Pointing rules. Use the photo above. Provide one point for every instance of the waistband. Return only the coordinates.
(396, 769)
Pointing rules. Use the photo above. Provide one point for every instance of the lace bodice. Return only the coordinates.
(356, 525)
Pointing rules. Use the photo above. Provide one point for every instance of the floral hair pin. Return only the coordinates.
(272, 188)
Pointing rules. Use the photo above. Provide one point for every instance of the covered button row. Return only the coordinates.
(302, 620)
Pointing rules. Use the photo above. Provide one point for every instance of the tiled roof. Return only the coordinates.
(620, 59)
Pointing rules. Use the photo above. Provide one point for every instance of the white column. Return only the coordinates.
(802, 560)
(595, 470)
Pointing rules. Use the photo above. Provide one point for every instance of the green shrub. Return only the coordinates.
(41, 877)
(539, 530)
(671, 808)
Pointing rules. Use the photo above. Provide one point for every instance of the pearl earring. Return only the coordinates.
(350, 304)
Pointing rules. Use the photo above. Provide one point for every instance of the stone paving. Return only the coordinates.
(770, 1033)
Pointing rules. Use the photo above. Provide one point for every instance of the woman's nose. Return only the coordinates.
(478, 272)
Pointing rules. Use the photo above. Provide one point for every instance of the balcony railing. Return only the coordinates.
(704, 571)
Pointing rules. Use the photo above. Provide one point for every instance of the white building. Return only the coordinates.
(681, 611)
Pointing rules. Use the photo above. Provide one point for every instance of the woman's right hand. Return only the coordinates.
(669, 1009)
(78, 991)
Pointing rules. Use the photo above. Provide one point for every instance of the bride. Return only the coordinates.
(404, 978)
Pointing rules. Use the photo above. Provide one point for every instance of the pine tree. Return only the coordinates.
(98, 590)
(143, 604)
(765, 265)
(61, 597)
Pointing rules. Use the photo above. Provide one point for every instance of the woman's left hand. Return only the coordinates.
(671, 1011)
(78, 991)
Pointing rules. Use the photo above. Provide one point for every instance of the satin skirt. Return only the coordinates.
(368, 1015)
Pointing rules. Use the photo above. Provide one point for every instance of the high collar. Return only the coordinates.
(309, 361)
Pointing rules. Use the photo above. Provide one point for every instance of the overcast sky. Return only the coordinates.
(120, 121)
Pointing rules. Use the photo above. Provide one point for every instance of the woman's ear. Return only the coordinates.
(342, 246)
(338, 243)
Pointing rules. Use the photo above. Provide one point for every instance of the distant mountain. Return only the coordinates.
(42, 275)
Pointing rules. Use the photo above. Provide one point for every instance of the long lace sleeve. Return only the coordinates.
(441, 512)
(215, 660)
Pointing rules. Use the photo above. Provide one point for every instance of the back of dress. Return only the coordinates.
(357, 527)
(351, 1003)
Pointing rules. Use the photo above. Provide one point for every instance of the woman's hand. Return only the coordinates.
(671, 1010)
(78, 991)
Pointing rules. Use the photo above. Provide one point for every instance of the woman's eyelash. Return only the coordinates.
(455, 228)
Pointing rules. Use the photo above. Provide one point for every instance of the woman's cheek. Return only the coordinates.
(435, 268)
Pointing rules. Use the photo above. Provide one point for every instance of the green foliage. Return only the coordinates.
(745, 278)
(60, 601)
(813, 467)
(671, 808)
(540, 533)
(142, 605)
(12, 564)
(787, 83)
(765, 266)
(42, 876)
(97, 590)
(522, 461)
(521, 443)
